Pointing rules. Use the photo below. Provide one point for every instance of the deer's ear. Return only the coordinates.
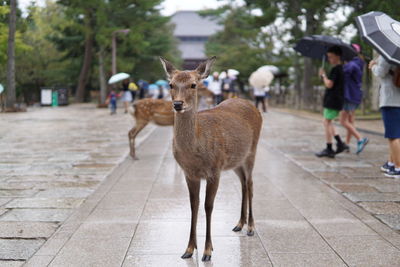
(168, 67)
(205, 67)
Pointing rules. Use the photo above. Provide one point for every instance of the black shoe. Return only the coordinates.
(341, 147)
(326, 153)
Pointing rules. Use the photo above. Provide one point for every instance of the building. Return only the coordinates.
(193, 31)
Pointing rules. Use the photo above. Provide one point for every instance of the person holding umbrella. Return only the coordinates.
(383, 33)
(389, 104)
(333, 101)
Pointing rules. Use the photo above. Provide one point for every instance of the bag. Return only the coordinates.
(396, 76)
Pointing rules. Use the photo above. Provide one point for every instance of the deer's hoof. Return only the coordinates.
(186, 255)
(250, 233)
(206, 258)
(237, 229)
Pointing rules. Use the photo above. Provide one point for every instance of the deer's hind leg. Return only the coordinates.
(240, 171)
(140, 124)
(249, 181)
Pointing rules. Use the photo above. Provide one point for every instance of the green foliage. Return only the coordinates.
(240, 45)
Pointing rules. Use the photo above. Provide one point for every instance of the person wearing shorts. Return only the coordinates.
(353, 72)
(389, 103)
(333, 102)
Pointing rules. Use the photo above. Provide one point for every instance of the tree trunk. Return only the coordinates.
(307, 96)
(11, 94)
(87, 59)
(102, 78)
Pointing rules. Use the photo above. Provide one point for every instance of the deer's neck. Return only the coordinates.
(185, 129)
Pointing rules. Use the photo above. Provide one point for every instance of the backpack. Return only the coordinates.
(396, 76)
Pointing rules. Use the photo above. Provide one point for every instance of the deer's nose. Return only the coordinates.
(178, 105)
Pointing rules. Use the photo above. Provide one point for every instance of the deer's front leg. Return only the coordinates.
(211, 191)
(194, 190)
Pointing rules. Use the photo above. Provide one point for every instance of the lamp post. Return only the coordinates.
(114, 49)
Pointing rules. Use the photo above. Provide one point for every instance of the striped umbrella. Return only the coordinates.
(383, 33)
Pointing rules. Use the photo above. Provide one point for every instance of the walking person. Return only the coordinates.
(126, 95)
(259, 95)
(333, 102)
(112, 102)
(134, 89)
(389, 103)
(353, 72)
(214, 85)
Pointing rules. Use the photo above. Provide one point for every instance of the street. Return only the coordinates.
(70, 196)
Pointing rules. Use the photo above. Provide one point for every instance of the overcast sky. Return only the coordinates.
(169, 6)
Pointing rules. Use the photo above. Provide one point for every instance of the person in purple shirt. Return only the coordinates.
(353, 72)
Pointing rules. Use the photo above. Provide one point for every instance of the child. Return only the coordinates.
(112, 101)
(333, 102)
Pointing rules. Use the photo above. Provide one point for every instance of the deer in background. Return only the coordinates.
(147, 110)
(208, 142)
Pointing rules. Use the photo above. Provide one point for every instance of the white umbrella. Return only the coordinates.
(233, 72)
(274, 69)
(118, 77)
(1, 88)
(222, 75)
(261, 79)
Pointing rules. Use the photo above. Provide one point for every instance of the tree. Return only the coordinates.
(239, 45)
(306, 18)
(11, 95)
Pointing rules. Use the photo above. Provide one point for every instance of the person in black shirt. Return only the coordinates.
(333, 101)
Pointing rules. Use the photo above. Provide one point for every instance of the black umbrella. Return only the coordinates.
(316, 46)
(383, 33)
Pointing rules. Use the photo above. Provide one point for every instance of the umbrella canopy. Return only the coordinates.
(261, 79)
(153, 86)
(162, 83)
(118, 77)
(274, 69)
(233, 72)
(316, 46)
(383, 33)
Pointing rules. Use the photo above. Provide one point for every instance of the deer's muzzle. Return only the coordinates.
(178, 105)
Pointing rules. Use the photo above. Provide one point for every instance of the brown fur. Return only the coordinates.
(148, 110)
(210, 141)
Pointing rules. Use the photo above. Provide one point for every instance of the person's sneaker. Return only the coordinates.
(361, 145)
(340, 147)
(326, 153)
(393, 173)
(386, 167)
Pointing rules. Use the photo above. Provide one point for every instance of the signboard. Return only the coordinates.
(46, 96)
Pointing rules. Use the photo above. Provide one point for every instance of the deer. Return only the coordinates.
(207, 142)
(148, 110)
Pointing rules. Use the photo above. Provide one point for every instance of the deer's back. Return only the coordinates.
(157, 110)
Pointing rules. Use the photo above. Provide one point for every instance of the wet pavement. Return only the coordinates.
(308, 211)
(51, 160)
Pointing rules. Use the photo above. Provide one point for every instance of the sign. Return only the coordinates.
(46, 96)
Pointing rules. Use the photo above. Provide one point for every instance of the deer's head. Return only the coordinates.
(184, 84)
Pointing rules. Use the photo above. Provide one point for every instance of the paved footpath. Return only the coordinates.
(51, 160)
(308, 211)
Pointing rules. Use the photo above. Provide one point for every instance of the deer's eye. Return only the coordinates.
(193, 86)
(170, 85)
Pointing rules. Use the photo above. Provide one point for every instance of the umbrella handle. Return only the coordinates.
(323, 61)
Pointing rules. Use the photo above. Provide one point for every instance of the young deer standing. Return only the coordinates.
(210, 141)
(148, 110)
